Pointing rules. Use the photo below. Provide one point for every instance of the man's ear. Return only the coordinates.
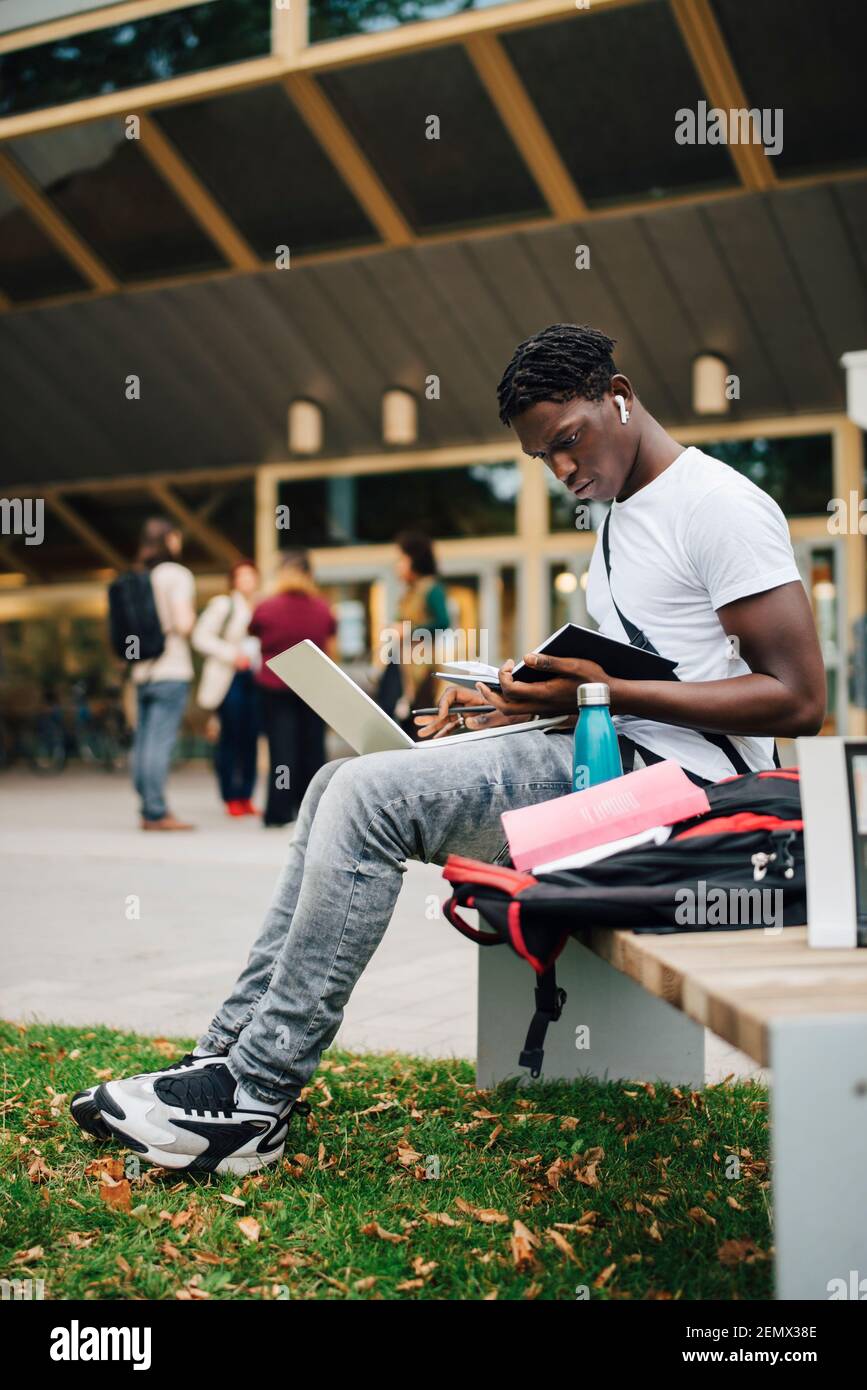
(621, 397)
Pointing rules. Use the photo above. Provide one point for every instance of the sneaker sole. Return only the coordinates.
(86, 1113)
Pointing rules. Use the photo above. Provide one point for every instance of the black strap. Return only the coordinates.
(639, 639)
(549, 1006)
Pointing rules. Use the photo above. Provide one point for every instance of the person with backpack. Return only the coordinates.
(228, 685)
(162, 667)
(698, 556)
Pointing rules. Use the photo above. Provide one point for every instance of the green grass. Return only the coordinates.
(664, 1225)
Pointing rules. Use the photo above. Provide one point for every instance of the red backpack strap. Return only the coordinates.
(472, 873)
(511, 881)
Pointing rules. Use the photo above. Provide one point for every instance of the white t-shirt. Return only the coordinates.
(174, 595)
(697, 537)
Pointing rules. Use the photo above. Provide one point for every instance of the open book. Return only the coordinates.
(618, 659)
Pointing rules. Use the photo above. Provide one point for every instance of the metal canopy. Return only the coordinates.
(773, 282)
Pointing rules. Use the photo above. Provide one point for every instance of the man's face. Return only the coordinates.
(584, 443)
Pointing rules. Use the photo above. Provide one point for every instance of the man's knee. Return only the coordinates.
(321, 779)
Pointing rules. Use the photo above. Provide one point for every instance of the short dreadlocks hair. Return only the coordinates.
(562, 361)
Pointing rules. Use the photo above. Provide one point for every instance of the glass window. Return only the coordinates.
(797, 472)
(334, 19)
(607, 85)
(134, 53)
(31, 267)
(798, 56)
(446, 503)
(111, 194)
(568, 585)
(265, 168)
(470, 174)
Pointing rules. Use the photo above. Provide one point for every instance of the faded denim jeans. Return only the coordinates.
(360, 821)
(160, 706)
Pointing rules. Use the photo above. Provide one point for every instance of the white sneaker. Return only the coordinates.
(187, 1119)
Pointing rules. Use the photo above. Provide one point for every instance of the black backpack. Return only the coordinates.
(132, 612)
(751, 838)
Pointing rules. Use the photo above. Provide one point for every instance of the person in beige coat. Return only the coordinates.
(227, 685)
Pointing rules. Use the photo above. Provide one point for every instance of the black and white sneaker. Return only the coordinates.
(86, 1106)
(188, 1119)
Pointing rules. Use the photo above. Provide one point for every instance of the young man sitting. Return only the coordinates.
(700, 562)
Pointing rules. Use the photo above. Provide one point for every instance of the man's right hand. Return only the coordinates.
(446, 720)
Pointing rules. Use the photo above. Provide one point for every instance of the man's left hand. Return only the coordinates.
(556, 695)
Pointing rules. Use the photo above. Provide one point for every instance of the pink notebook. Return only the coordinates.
(657, 795)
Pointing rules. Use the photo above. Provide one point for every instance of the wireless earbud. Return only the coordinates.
(624, 413)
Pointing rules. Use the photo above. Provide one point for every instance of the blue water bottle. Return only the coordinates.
(596, 756)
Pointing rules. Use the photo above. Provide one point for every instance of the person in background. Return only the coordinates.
(296, 736)
(228, 685)
(422, 605)
(162, 684)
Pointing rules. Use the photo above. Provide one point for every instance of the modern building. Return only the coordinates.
(256, 257)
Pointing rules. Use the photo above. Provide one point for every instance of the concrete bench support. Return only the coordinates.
(631, 1032)
(819, 1150)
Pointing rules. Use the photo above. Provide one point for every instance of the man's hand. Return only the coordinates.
(558, 695)
(450, 716)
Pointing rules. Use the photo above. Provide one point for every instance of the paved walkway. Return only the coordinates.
(71, 859)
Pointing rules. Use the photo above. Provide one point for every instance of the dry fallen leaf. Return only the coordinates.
(701, 1217)
(409, 1285)
(79, 1240)
(116, 1194)
(735, 1252)
(26, 1257)
(249, 1227)
(602, 1279)
(233, 1201)
(487, 1215)
(373, 1228)
(363, 1285)
(438, 1218)
(521, 1243)
(407, 1156)
(39, 1170)
(587, 1175)
(423, 1267)
(562, 1244)
(104, 1168)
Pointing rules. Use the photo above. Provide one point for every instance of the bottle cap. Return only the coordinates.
(594, 693)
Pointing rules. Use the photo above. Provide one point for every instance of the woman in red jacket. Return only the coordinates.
(296, 736)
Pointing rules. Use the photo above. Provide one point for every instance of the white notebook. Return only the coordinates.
(352, 714)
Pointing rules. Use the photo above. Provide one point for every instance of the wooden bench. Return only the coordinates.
(646, 1001)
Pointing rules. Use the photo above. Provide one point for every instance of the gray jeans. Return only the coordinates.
(161, 706)
(361, 819)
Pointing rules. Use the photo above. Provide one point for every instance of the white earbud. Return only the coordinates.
(624, 413)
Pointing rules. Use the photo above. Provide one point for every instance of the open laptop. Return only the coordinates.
(352, 714)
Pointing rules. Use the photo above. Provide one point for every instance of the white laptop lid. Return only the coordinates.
(338, 700)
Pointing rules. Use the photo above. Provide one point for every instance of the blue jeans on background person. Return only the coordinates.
(235, 753)
(161, 706)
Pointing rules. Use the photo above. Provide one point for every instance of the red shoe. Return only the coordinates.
(247, 808)
(235, 808)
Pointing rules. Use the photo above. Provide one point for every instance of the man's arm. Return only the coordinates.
(784, 695)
